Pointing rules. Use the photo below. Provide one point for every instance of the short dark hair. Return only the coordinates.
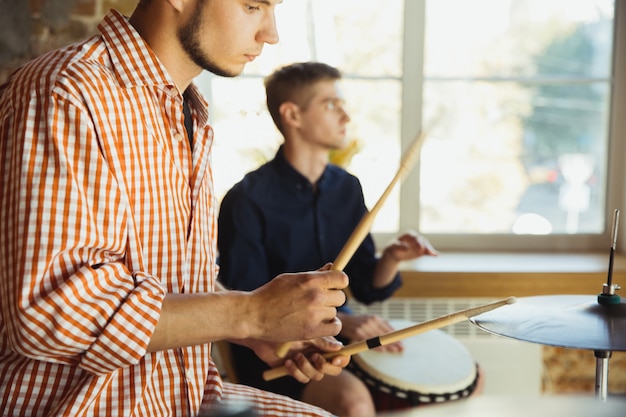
(292, 83)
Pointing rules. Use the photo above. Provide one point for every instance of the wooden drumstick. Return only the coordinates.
(365, 224)
(398, 335)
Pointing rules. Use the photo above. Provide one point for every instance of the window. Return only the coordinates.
(518, 99)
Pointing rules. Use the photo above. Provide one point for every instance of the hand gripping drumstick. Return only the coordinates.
(398, 335)
(364, 226)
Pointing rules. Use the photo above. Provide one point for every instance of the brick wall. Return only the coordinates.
(31, 28)
(570, 371)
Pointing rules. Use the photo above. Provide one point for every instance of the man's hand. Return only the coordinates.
(358, 327)
(297, 306)
(410, 245)
(304, 360)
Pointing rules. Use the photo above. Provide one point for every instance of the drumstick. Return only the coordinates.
(398, 335)
(365, 224)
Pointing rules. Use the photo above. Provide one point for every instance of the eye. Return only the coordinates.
(333, 104)
(252, 8)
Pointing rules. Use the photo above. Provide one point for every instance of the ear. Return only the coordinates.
(289, 114)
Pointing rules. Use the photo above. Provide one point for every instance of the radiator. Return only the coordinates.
(422, 309)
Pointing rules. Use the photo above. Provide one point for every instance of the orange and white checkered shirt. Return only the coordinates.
(104, 208)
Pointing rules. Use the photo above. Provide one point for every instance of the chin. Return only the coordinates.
(224, 73)
(222, 70)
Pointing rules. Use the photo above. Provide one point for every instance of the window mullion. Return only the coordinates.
(412, 105)
(616, 185)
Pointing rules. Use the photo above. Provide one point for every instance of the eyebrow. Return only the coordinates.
(266, 2)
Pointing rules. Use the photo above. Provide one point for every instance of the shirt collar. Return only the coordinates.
(295, 179)
(135, 64)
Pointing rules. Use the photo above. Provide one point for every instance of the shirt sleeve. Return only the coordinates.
(242, 257)
(66, 294)
(361, 268)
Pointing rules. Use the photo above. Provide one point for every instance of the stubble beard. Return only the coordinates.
(189, 37)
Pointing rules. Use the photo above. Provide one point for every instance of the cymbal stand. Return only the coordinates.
(607, 298)
(602, 373)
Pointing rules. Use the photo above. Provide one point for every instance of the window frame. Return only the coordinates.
(412, 81)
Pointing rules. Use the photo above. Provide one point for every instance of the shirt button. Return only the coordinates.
(189, 374)
(178, 137)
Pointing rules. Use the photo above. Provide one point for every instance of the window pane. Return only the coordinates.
(493, 174)
(489, 38)
(369, 37)
(374, 109)
(245, 136)
(522, 148)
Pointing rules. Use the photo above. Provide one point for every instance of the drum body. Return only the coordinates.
(434, 368)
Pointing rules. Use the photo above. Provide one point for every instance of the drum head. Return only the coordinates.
(434, 367)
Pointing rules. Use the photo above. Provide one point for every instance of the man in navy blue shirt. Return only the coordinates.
(296, 213)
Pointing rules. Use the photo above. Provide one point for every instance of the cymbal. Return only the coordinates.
(522, 406)
(571, 321)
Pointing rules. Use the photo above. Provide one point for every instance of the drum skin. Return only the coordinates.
(434, 368)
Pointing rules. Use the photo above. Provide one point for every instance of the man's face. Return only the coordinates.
(222, 36)
(323, 120)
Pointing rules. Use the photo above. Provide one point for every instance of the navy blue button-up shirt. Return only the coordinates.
(273, 221)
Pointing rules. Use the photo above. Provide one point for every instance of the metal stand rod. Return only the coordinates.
(602, 373)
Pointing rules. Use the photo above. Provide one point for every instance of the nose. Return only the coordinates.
(345, 115)
(268, 32)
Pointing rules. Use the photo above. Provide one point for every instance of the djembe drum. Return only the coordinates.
(433, 368)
